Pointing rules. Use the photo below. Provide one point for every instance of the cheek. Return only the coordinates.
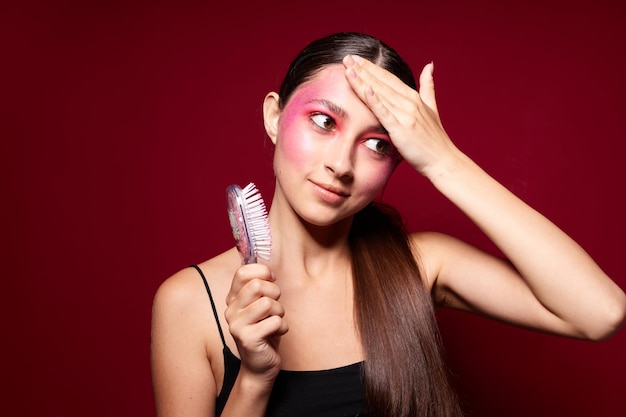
(378, 177)
(295, 146)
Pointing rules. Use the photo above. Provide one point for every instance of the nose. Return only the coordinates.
(340, 159)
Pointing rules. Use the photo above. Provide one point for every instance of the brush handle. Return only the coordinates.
(236, 209)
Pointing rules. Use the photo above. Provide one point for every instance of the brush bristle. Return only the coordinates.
(258, 222)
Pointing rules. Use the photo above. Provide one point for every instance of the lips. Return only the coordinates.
(330, 193)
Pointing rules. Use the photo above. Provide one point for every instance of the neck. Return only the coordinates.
(303, 248)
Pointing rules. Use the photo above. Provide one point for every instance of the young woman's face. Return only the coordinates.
(332, 155)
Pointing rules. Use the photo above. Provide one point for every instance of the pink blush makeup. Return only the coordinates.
(320, 140)
(295, 128)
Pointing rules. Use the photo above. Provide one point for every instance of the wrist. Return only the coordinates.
(445, 166)
(249, 395)
(255, 383)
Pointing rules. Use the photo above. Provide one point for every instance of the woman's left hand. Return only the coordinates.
(410, 117)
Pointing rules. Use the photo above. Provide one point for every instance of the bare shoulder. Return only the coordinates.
(184, 290)
(433, 241)
(184, 331)
(181, 304)
(460, 274)
(432, 250)
(187, 369)
(426, 246)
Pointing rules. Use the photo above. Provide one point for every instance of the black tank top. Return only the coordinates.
(336, 392)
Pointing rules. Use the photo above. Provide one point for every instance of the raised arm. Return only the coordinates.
(551, 284)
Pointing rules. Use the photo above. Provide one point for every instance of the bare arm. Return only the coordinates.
(185, 343)
(551, 283)
(182, 377)
(255, 320)
(566, 289)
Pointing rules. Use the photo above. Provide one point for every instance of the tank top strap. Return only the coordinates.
(208, 290)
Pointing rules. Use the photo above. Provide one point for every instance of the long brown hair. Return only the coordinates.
(404, 372)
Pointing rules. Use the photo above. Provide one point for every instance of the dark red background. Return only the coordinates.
(123, 122)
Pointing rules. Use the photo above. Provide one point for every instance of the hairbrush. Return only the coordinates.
(249, 222)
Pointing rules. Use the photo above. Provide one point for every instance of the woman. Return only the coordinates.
(347, 291)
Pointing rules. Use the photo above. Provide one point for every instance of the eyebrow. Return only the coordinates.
(335, 108)
(339, 111)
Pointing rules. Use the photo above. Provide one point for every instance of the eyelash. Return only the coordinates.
(321, 125)
(388, 148)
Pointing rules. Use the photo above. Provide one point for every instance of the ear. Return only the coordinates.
(271, 115)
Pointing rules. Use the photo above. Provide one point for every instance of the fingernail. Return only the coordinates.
(348, 60)
(351, 73)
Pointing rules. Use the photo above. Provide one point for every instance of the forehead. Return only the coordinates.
(330, 79)
(330, 85)
(330, 72)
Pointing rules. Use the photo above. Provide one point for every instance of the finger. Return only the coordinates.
(273, 326)
(261, 309)
(393, 113)
(245, 323)
(246, 274)
(368, 75)
(370, 91)
(381, 109)
(253, 291)
(267, 330)
(374, 74)
(383, 92)
(427, 86)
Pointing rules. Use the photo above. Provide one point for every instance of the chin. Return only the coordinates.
(326, 218)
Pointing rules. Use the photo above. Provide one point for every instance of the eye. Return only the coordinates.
(324, 121)
(380, 146)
